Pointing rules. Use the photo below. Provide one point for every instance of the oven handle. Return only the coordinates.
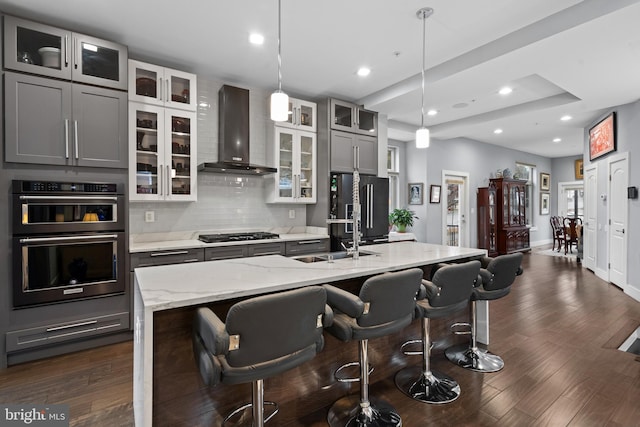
(79, 198)
(65, 239)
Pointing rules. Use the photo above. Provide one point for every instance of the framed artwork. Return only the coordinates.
(579, 169)
(545, 199)
(416, 190)
(434, 194)
(602, 137)
(545, 181)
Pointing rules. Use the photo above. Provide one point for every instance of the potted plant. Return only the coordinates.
(402, 218)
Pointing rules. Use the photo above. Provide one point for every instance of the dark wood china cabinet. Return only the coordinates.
(512, 232)
(487, 229)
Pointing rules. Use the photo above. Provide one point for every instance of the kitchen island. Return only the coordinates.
(165, 297)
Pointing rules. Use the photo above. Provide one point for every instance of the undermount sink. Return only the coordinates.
(331, 255)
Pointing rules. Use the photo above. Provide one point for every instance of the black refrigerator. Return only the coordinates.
(374, 209)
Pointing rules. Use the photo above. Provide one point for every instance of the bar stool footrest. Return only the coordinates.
(456, 331)
(343, 379)
(412, 352)
(243, 408)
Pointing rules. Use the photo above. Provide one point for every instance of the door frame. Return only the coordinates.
(561, 187)
(464, 235)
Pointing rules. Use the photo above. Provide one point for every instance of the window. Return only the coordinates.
(527, 172)
(393, 170)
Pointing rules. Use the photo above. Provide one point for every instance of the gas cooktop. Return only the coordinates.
(236, 237)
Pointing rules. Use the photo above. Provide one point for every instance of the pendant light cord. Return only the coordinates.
(424, 42)
(279, 48)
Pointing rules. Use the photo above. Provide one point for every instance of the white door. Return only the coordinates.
(618, 227)
(455, 208)
(589, 233)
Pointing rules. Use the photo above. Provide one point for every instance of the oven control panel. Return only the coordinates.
(63, 187)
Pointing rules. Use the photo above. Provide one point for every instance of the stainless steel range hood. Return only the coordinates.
(233, 135)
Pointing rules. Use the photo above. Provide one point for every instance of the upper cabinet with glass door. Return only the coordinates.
(41, 49)
(295, 157)
(153, 84)
(350, 117)
(302, 115)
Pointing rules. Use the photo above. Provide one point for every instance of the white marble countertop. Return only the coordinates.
(172, 286)
(189, 239)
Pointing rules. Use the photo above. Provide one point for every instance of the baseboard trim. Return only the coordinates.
(633, 292)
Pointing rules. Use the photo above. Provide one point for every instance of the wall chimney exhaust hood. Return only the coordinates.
(233, 135)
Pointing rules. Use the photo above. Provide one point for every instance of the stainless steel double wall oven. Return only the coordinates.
(68, 241)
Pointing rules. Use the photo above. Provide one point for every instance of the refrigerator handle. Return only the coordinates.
(355, 156)
(371, 219)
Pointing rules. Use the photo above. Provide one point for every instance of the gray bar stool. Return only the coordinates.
(498, 274)
(448, 292)
(262, 337)
(385, 305)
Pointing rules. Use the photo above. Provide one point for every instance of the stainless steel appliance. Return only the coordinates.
(374, 208)
(236, 237)
(68, 241)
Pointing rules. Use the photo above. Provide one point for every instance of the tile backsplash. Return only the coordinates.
(225, 202)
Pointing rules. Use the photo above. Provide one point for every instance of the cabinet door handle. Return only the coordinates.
(167, 95)
(299, 116)
(358, 157)
(168, 181)
(74, 325)
(75, 137)
(160, 97)
(76, 53)
(156, 254)
(160, 181)
(355, 155)
(66, 138)
(309, 242)
(66, 51)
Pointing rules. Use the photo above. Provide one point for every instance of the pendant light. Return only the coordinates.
(279, 99)
(422, 134)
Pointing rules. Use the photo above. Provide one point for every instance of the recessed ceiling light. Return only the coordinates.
(505, 90)
(432, 112)
(255, 38)
(497, 131)
(565, 118)
(556, 140)
(363, 71)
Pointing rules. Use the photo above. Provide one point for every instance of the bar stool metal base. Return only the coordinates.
(245, 417)
(474, 359)
(348, 412)
(434, 387)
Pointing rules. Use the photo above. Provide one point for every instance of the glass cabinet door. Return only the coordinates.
(157, 85)
(307, 169)
(180, 90)
(99, 62)
(285, 164)
(147, 156)
(36, 48)
(367, 122)
(180, 170)
(302, 115)
(342, 115)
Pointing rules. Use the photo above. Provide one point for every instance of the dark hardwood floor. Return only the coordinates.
(557, 332)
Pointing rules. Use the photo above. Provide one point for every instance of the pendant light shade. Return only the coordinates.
(422, 134)
(279, 106)
(422, 138)
(279, 99)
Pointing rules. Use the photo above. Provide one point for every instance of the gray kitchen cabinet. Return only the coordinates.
(58, 333)
(349, 117)
(350, 151)
(225, 252)
(165, 257)
(59, 123)
(302, 247)
(36, 48)
(260, 249)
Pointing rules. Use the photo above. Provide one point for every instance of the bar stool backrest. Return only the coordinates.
(391, 296)
(276, 325)
(504, 269)
(455, 283)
